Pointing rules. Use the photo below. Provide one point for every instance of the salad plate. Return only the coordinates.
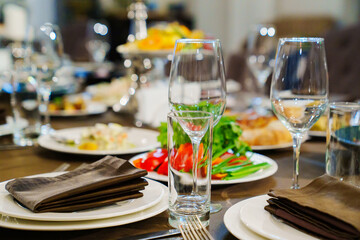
(256, 158)
(257, 219)
(142, 139)
(92, 108)
(153, 194)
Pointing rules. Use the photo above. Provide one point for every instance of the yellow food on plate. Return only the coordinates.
(68, 104)
(262, 130)
(163, 37)
(320, 125)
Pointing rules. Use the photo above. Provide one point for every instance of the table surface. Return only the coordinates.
(34, 160)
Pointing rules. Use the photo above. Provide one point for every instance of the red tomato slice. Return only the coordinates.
(151, 163)
(164, 168)
(137, 162)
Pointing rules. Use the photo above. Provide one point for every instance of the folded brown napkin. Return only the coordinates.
(326, 208)
(103, 182)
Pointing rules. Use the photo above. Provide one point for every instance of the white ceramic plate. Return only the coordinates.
(317, 133)
(7, 128)
(144, 140)
(255, 217)
(257, 158)
(92, 108)
(17, 223)
(234, 225)
(152, 195)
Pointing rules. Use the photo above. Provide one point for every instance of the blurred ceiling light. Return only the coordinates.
(263, 31)
(271, 31)
(52, 35)
(100, 29)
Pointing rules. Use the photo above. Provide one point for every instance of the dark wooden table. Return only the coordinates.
(34, 160)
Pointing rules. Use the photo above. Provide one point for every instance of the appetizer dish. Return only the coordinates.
(231, 157)
(110, 136)
(262, 130)
(161, 37)
(67, 104)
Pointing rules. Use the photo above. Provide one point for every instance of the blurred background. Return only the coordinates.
(231, 21)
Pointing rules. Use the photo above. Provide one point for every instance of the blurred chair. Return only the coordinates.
(343, 59)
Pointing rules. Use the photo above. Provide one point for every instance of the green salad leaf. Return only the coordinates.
(226, 136)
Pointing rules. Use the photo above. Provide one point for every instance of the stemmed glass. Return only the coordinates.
(197, 79)
(47, 59)
(299, 88)
(261, 47)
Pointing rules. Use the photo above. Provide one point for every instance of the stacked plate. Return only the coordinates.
(248, 220)
(13, 215)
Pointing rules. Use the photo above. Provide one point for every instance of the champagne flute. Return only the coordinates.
(261, 47)
(46, 58)
(299, 88)
(197, 80)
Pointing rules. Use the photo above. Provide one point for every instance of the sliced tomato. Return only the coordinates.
(182, 160)
(137, 162)
(151, 163)
(164, 168)
(160, 153)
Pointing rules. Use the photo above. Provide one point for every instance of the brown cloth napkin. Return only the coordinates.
(326, 208)
(103, 182)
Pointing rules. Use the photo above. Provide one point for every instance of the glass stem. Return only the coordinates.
(46, 100)
(297, 137)
(195, 146)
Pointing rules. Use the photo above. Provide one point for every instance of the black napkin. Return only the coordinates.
(326, 208)
(103, 182)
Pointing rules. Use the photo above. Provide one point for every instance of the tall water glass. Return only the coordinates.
(343, 142)
(197, 80)
(189, 148)
(299, 88)
(25, 103)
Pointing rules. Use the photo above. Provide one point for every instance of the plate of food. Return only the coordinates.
(262, 132)
(75, 105)
(160, 40)
(101, 139)
(232, 159)
(255, 167)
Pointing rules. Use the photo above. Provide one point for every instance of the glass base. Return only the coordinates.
(215, 207)
(176, 219)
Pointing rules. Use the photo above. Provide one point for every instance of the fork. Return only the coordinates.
(193, 229)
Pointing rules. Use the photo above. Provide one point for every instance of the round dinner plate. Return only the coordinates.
(256, 218)
(257, 158)
(144, 140)
(152, 195)
(235, 226)
(92, 108)
(23, 224)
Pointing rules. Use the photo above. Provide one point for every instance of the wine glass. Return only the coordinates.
(299, 88)
(197, 80)
(47, 59)
(261, 47)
